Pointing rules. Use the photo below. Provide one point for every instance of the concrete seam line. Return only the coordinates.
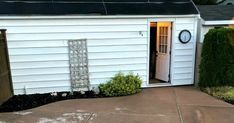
(137, 114)
(178, 108)
(89, 118)
(218, 106)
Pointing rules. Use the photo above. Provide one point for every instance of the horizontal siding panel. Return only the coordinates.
(52, 77)
(35, 44)
(183, 70)
(59, 50)
(94, 62)
(40, 71)
(183, 52)
(63, 43)
(47, 77)
(125, 67)
(184, 20)
(120, 41)
(183, 58)
(183, 81)
(181, 64)
(38, 51)
(110, 55)
(71, 22)
(47, 57)
(75, 28)
(180, 46)
(182, 26)
(67, 36)
(39, 64)
(65, 70)
(121, 48)
(29, 84)
(182, 76)
(122, 61)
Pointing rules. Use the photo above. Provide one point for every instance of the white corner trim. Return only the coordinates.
(220, 22)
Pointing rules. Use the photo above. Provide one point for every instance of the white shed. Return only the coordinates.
(153, 38)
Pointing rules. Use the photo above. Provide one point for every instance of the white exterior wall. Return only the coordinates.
(183, 55)
(204, 30)
(39, 52)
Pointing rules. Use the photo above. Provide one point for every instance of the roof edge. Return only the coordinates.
(93, 16)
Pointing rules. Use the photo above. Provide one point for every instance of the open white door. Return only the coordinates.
(163, 47)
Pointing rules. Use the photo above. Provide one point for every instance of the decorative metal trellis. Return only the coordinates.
(78, 58)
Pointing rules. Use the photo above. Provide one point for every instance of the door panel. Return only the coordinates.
(5, 77)
(163, 50)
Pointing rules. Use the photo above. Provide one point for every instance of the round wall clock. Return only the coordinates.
(185, 36)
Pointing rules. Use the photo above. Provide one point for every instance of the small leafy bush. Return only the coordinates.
(217, 58)
(121, 85)
(225, 93)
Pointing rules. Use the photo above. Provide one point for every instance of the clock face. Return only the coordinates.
(184, 36)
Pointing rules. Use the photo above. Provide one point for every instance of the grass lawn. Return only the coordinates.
(225, 93)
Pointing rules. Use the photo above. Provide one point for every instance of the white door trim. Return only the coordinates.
(172, 20)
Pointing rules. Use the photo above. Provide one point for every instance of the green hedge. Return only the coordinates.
(217, 58)
(121, 85)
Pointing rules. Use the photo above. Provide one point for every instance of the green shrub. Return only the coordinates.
(217, 58)
(225, 93)
(121, 85)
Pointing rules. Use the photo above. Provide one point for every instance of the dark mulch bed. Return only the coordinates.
(22, 102)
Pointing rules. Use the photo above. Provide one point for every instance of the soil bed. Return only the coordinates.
(23, 102)
(225, 93)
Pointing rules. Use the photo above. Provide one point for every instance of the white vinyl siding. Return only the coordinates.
(183, 54)
(39, 58)
(39, 52)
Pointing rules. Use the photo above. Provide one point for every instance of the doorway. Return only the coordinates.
(160, 51)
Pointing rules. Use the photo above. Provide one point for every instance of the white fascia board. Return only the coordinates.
(220, 22)
(94, 16)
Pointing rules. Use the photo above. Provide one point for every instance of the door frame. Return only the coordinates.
(172, 20)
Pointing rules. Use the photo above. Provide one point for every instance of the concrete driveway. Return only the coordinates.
(154, 105)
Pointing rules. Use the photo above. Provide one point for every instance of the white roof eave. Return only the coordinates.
(217, 22)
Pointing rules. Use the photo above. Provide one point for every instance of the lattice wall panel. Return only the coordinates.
(78, 59)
